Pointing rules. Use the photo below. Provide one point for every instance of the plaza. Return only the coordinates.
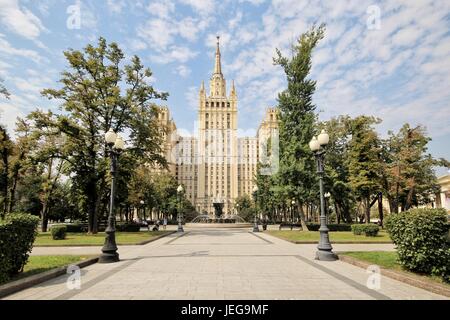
(221, 264)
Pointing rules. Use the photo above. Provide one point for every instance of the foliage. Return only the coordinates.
(297, 118)
(244, 207)
(370, 230)
(364, 161)
(3, 91)
(17, 234)
(422, 240)
(331, 227)
(408, 174)
(99, 93)
(58, 232)
(128, 227)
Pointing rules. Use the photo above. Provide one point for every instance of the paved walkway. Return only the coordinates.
(223, 264)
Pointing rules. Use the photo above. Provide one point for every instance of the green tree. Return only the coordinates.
(297, 119)
(3, 91)
(408, 176)
(99, 93)
(364, 161)
(244, 207)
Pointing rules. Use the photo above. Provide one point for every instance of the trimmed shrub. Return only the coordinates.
(370, 230)
(17, 234)
(422, 240)
(331, 226)
(59, 232)
(76, 227)
(128, 227)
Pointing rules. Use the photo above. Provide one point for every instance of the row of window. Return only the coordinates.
(217, 104)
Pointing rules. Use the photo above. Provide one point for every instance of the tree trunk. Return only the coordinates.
(302, 216)
(380, 208)
(92, 201)
(367, 209)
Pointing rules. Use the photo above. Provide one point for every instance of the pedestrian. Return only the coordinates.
(165, 223)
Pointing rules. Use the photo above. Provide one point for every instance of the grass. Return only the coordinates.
(335, 236)
(74, 239)
(388, 260)
(38, 264)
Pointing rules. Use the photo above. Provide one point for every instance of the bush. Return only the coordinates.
(76, 227)
(128, 227)
(370, 230)
(421, 237)
(17, 234)
(331, 226)
(59, 232)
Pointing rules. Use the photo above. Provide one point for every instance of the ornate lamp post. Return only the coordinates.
(109, 250)
(142, 202)
(327, 196)
(255, 197)
(325, 250)
(179, 218)
(237, 208)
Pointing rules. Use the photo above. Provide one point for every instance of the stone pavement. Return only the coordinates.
(224, 264)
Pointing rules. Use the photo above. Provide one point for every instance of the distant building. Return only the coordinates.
(443, 198)
(216, 165)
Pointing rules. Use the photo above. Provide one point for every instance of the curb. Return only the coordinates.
(404, 277)
(100, 245)
(27, 282)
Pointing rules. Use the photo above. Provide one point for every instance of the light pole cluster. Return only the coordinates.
(179, 218)
(325, 250)
(115, 145)
(255, 198)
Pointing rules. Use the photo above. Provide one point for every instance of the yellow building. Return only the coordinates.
(443, 198)
(216, 165)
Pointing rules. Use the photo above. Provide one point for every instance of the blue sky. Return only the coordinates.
(390, 59)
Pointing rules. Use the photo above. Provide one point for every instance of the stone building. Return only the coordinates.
(217, 166)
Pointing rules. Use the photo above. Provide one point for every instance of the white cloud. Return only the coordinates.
(7, 50)
(202, 7)
(116, 6)
(174, 54)
(20, 20)
(183, 71)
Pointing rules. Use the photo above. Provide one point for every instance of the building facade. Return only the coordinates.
(216, 166)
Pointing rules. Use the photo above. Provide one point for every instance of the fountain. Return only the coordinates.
(219, 219)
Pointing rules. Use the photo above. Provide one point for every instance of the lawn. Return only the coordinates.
(388, 260)
(335, 237)
(38, 264)
(75, 239)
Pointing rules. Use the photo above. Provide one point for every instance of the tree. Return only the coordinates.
(408, 175)
(364, 161)
(297, 119)
(244, 207)
(336, 177)
(3, 91)
(97, 94)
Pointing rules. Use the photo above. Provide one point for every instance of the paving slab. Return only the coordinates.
(225, 264)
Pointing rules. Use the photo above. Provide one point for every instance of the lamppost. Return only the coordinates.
(179, 193)
(109, 250)
(255, 197)
(327, 196)
(325, 250)
(237, 208)
(292, 210)
(142, 202)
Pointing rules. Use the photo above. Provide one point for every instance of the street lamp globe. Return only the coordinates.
(323, 138)
(293, 202)
(180, 189)
(314, 144)
(255, 189)
(119, 144)
(110, 137)
(327, 195)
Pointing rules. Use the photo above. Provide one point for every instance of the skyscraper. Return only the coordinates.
(217, 166)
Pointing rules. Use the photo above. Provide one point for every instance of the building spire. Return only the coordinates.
(218, 66)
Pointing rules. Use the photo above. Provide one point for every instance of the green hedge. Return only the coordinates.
(58, 232)
(76, 227)
(370, 230)
(331, 226)
(17, 234)
(422, 240)
(128, 227)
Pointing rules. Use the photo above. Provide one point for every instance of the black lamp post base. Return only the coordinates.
(180, 229)
(255, 229)
(323, 255)
(108, 257)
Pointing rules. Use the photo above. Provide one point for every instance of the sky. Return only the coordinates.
(389, 59)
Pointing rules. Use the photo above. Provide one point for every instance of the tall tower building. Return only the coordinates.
(216, 166)
(217, 125)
